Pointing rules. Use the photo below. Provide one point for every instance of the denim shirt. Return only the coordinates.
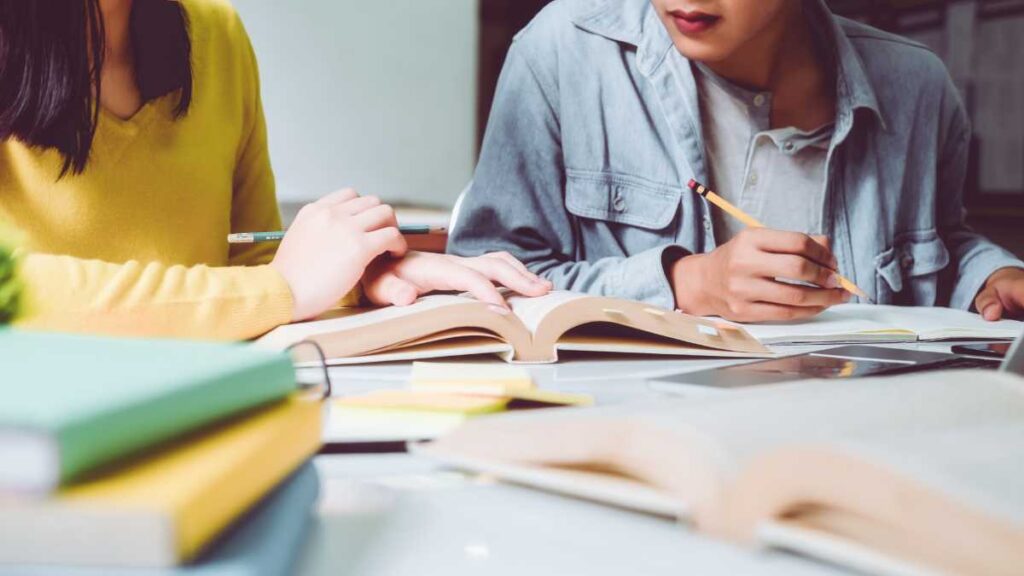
(596, 128)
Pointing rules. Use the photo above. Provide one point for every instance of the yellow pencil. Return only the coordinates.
(749, 220)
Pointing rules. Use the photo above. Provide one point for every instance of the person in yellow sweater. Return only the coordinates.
(132, 142)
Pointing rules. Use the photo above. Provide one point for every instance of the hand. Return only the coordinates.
(330, 244)
(402, 281)
(737, 281)
(1003, 295)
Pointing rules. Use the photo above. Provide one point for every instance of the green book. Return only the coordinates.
(69, 404)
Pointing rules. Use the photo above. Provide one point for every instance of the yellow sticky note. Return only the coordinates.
(467, 378)
(422, 401)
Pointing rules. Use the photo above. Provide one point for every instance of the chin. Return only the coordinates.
(701, 51)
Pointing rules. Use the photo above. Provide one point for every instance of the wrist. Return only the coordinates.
(1007, 272)
(685, 276)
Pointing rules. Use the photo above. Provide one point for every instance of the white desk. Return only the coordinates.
(400, 514)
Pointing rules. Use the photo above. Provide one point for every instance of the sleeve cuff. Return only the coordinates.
(644, 277)
(974, 276)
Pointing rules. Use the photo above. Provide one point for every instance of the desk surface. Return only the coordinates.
(401, 514)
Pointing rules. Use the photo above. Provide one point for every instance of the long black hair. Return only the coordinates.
(51, 55)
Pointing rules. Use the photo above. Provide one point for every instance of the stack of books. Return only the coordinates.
(128, 456)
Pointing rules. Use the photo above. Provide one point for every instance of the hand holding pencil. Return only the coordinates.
(739, 279)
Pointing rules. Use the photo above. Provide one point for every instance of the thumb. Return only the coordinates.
(389, 289)
(988, 304)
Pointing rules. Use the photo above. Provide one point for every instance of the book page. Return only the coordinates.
(948, 323)
(980, 465)
(532, 311)
(873, 323)
(343, 320)
(940, 501)
(696, 449)
(750, 423)
(843, 323)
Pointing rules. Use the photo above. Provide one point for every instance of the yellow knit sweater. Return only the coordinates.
(136, 245)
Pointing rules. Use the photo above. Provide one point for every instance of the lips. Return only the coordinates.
(694, 22)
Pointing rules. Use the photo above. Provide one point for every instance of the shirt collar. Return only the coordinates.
(635, 22)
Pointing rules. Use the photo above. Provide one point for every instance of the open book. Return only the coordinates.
(863, 323)
(446, 325)
(915, 475)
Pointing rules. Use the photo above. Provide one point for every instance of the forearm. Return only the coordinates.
(69, 294)
(640, 277)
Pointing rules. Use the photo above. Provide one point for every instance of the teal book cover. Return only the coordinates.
(265, 542)
(72, 403)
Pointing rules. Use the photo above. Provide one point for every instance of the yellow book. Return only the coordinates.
(164, 507)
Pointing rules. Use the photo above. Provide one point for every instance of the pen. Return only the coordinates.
(749, 220)
(257, 237)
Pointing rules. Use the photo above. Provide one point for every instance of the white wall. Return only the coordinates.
(376, 94)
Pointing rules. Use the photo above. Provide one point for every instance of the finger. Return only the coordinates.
(466, 279)
(518, 265)
(388, 240)
(824, 242)
(499, 271)
(1012, 299)
(388, 289)
(772, 292)
(357, 205)
(768, 312)
(989, 305)
(793, 267)
(781, 242)
(339, 196)
(382, 216)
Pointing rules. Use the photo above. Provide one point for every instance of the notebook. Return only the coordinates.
(72, 403)
(264, 542)
(910, 475)
(539, 328)
(163, 508)
(865, 323)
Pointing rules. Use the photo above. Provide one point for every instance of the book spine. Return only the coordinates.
(287, 437)
(108, 436)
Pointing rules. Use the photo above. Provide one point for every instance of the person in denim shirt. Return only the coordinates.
(597, 125)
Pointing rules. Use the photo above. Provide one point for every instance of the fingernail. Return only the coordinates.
(499, 309)
(832, 281)
(988, 312)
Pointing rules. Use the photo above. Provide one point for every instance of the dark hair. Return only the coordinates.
(51, 54)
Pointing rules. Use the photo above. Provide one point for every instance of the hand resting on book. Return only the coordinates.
(399, 282)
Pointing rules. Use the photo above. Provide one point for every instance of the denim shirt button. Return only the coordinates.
(707, 224)
(619, 203)
(906, 261)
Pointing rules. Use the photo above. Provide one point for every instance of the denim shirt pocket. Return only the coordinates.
(636, 212)
(908, 272)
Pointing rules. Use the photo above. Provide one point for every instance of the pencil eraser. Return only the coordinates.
(692, 184)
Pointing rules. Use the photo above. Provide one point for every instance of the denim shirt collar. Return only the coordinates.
(636, 22)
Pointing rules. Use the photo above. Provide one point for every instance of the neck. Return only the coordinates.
(765, 62)
(116, 23)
